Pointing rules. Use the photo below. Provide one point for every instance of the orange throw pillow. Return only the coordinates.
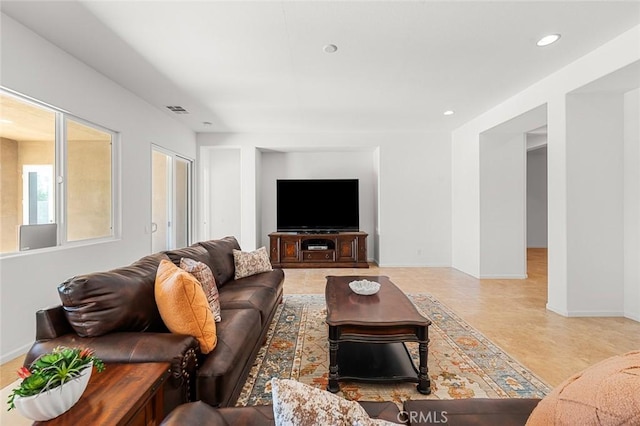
(183, 305)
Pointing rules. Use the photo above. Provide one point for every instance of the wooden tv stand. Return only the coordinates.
(335, 250)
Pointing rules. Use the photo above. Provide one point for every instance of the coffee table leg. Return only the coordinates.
(333, 385)
(424, 383)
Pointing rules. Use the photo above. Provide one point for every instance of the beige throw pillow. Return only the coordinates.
(297, 404)
(251, 263)
(183, 305)
(203, 274)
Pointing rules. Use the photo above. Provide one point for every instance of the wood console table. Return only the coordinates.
(123, 394)
(336, 250)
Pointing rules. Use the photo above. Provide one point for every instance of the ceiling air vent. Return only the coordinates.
(177, 109)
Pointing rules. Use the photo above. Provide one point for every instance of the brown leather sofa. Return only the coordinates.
(115, 314)
(454, 412)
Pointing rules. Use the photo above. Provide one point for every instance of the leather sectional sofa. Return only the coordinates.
(452, 412)
(115, 314)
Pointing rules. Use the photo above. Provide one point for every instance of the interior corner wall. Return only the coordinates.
(537, 198)
(614, 55)
(632, 204)
(376, 203)
(259, 204)
(466, 201)
(502, 206)
(557, 219)
(34, 67)
(220, 168)
(413, 185)
(595, 197)
(318, 165)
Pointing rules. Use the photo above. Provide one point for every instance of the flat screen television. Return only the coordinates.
(317, 205)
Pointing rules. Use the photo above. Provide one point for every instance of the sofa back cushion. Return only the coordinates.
(221, 258)
(195, 252)
(118, 300)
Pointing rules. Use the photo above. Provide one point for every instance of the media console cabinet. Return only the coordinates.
(335, 250)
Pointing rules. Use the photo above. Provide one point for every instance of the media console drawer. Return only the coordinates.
(318, 250)
(319, 255)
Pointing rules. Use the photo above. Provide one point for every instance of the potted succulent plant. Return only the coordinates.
(54, 382)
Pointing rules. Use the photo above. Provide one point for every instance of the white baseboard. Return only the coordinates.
(406, 265)
(576, 314)
(596, 314)
(635, 317)
(6, 357)
(557, 310)
(503, 277)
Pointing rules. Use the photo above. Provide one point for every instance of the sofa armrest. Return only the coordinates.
(51, 323)
(133, 347)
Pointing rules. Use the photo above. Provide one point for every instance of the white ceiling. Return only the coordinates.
(259, 66)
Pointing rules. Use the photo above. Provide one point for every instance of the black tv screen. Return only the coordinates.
(317, 205)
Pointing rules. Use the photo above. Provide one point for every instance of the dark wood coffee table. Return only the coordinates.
(123, 394)
(367, 335)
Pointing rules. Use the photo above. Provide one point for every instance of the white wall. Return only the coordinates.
(502, 205)
(220, 178)
(632, 204)
(595, 204)
(318, 165)
(34, 67)
(537, 197)
(614, 55)
(414, 186)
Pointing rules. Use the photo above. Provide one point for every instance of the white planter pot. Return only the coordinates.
(49, 404)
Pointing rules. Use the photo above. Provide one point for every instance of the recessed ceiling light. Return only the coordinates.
(548, 39)
(330, 48)
(448, 112)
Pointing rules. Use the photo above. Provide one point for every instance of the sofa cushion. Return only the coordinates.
(251, 263)
(295, 403)
(238, 296)
(606, 393)
(195, 252)
(202, 273)
(470, 411)
(272, 279)
(201, 414)
(183, 305)
(198, 413)
(221, 371)
(118, 300)
(221, 258)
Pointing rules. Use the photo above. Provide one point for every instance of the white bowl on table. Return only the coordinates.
(364, 287)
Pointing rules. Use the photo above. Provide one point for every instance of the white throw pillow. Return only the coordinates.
(297, 404)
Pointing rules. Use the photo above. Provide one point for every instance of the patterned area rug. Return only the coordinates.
(462, 362)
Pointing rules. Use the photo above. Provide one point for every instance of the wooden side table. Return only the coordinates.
(123, 394)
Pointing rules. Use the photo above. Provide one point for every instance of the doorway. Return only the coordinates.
(171, 208)
(504, 183)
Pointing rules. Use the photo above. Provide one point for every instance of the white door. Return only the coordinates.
(171, 200)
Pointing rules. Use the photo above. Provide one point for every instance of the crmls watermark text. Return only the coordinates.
(424, 417)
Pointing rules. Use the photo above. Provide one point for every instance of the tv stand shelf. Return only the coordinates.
(318, 250)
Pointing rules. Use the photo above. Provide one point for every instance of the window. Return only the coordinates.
(55, 169)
